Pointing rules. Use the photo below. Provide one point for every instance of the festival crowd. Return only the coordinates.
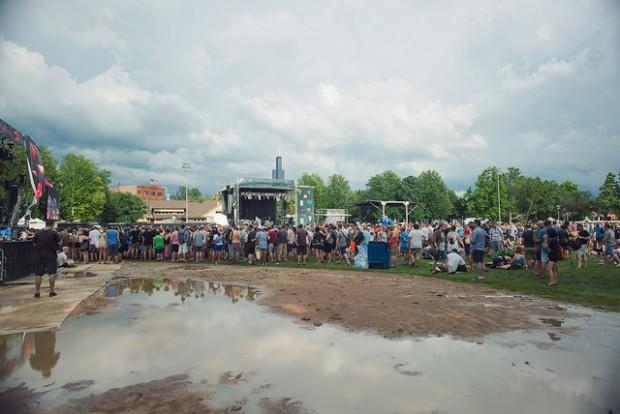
(451, 248)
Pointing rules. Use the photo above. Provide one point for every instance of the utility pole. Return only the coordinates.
(499, 201)
(186, 167)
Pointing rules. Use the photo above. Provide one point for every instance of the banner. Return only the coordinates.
(52, 205)
(36, 171)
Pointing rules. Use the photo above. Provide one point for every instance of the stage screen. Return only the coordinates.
(264, 209)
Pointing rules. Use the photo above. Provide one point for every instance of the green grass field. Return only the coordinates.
(598, 286)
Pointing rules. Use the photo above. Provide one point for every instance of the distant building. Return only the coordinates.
(278, 173)
(145, 192)
(162, 211)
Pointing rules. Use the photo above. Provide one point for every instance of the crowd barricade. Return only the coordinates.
(17, 260)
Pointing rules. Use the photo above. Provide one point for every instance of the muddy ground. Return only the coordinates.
(388, 304)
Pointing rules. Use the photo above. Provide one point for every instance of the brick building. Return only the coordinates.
(145, 192)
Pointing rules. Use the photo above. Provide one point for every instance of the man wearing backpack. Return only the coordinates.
(183, 239)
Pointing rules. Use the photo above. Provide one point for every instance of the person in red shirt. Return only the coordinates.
(272, 235)
(393, 240)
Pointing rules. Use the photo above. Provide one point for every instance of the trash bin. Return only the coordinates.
(378, 255)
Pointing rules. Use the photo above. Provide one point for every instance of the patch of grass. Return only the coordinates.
(598, 286)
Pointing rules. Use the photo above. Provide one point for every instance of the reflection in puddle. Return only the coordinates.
(216, 346)
(184, 289)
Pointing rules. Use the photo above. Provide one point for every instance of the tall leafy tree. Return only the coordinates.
(490, 194)
(338, 192)
(609, 195)
(126, 207)
(83, 188)
(320, 190)
(193, 194)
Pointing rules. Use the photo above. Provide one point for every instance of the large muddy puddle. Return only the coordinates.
(176, 345)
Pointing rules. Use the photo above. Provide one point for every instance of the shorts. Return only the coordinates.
(544, 255)
(609, 249)
(328, 247)
(417, 252)
(93, 248)
(113, 249)
(183, 248)
(497, 245)
(477, 256)
(343, 249)
(159, 251)
(443, 255)
(582, 250)
(404, 250)
(174, 248)
(302, 250)
(48, 266)
(271, 247)
(281, 249)
(467, 248)
(217, 248)
(290, 247)
(135, 245)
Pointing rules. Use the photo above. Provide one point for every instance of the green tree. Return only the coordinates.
(126, 207)
(320, 191)
(193, 194)
(338, 192)
(483, 201)
(432, 195)
(83, 188)
(608, 199)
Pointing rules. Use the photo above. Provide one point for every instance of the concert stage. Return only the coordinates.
(252, 198)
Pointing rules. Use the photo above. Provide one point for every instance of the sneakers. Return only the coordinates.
(37, 295)
(52, 294)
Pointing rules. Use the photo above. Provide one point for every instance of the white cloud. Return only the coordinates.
(337, 87)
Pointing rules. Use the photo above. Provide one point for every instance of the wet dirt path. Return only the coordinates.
(391, 305)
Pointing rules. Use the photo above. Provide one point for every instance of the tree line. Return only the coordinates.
(85, 194)
(496, 195)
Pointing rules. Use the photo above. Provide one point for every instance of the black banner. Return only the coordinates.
(36, 171)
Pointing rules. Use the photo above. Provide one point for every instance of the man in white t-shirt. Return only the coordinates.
(416, 243)
(455, 262)
(93, 247)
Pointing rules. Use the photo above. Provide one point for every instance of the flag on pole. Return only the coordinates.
(154, 182)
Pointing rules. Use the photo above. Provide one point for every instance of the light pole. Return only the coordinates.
(499, 201)
(186, 167)
(558, 209)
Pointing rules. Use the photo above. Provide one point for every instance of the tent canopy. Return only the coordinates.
(382, 204)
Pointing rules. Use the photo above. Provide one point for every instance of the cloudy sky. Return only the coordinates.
(343, 86)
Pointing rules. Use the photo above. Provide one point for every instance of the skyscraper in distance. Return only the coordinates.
(278, 173)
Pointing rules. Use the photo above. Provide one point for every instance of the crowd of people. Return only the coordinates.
(451, 248)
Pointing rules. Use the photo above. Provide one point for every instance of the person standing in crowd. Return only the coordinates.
(609, 244)
(200, 238)
(497, 237)
(46, 243)
(342, 242)
(416, 243)
(183, 241)
(84, 246)
(404, 246)
(529, 245)
(478, 241)
(113, 243)
(583, 239)
(93, 247)
(218, 246)
(317, 244)
(262, 244)
(302, 245)
(554, 255)
(174, 244)
(281, 244)
(393, 241)
(158, 245)
(103, 245)
(544, 247)
(250, 245)
(272, 235)
(235, 241)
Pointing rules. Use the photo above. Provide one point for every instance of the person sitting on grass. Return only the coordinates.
(63, 260)
(514, 262)
(454, 263)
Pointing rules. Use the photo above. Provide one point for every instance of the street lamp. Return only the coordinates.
(558, 209)
(186, 167)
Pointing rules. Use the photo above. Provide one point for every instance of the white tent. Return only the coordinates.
(35, 223)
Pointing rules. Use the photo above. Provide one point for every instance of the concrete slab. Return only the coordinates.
(19, 311)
